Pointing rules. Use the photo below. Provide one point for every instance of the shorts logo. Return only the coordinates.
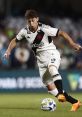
(28, 37)
(53, 60)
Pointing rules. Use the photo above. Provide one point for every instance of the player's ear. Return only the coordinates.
(37, 18)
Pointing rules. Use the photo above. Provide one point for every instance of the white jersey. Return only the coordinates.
(46, 51)
(43, 32)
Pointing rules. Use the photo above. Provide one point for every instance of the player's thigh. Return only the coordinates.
(54, 63)
(54, 59)
(45, 76)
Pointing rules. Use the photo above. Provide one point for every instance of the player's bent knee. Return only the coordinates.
(54, 73)
(53, 70)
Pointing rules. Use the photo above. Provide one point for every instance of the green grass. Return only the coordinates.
(28, 105)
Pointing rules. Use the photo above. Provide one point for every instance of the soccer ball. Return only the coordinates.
(48, 104)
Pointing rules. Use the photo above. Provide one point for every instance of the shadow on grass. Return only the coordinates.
(20, 108)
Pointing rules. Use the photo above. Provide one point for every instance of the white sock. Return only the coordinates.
(54, 92)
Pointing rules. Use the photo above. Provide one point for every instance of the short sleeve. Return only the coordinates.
(50, 31)
(20, 35)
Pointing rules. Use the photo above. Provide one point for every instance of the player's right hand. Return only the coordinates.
(7, 54)
(77, 47)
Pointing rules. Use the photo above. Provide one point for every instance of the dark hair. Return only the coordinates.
(31, 14)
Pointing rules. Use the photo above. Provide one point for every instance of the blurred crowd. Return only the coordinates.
(22, 58)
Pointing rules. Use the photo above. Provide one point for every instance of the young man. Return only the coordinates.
(48, 57)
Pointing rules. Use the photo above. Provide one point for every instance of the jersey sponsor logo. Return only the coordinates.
(37, 45)
(27, 37)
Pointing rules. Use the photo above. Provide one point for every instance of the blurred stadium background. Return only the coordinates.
(65, 15)
(20, 72)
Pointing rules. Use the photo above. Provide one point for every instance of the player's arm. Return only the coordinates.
(69, 40)
(11, 46)
(55, 32)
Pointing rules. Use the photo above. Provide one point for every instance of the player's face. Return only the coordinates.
(33, 23)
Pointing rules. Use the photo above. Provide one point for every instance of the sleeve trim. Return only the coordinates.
(57, 33)
(17, 40)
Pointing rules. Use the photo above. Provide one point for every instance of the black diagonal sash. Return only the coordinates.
(37, 40)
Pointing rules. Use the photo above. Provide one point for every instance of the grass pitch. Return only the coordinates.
(28, 105)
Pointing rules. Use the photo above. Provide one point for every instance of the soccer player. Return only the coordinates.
(48, 57)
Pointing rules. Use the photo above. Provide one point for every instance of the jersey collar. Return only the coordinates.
(39, 28)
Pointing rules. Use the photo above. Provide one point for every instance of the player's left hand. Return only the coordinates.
(77, 47)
